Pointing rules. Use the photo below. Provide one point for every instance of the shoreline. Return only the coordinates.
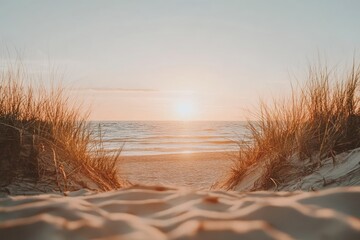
(198, 155)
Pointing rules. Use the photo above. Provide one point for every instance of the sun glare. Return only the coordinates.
(185, 110)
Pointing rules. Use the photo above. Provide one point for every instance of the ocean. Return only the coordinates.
(157, 137)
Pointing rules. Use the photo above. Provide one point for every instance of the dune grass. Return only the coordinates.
(320, 119)
(42, 126)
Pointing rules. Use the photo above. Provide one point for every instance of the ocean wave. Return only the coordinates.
(169, 137)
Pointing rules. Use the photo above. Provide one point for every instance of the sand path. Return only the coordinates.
(195, 170)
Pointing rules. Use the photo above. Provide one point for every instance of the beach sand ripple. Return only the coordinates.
(158, 212)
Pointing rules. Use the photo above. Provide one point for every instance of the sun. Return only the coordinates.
(185, 109)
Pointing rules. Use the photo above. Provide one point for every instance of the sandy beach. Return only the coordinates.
(196, 170)
(187, 210)
(179, 120)
(143, 212)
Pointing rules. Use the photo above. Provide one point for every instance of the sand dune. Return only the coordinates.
(342, 170)
(142, 212)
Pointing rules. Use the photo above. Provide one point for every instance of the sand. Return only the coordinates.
(343, 170)
(142, 212)
(189, 211)
(195, 170)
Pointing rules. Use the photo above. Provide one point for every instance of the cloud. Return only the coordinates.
(117, 90)
(133, 90)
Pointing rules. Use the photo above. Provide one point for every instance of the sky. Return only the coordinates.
(180, 59)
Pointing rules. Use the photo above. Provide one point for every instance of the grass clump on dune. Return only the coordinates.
(45, 139)
(319, 120)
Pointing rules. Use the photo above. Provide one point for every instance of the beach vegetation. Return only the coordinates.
(46, 138)
(317, 121)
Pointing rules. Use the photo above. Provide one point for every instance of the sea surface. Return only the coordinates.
(152, 138)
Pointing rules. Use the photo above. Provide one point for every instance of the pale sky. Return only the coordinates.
(178, 60)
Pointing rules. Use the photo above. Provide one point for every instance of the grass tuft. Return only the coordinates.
(319, 120)
(45, 137)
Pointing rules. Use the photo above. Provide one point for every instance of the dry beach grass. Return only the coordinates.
(45, 138)
(318, 121)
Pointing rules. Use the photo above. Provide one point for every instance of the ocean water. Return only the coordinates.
(152, 138)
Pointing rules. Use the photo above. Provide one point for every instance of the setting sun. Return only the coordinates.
(185, 110)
